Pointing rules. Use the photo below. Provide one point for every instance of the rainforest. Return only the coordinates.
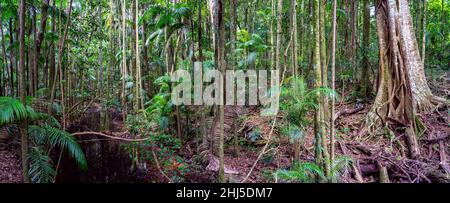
(139, 91)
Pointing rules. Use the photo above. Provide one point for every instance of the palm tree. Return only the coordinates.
(44, 137)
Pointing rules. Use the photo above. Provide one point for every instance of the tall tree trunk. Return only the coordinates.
(217, 11)
(403, 89)
(325, 113)
(443, 34)
(7, 74)
(272, 36)
(366, 44)
(321, 151)
(354, 36)
(199, 34)
(233, 39)
(333, 82)
(100, 56)
(38, 43)
(30, 51)
(424, 31)
(52, 65)
(60, 58)
(146, 71)
(12, 60)
(124, 61)
(22, 90)
(54, 69)
(294, 53)
(279, 34)
(139, 99)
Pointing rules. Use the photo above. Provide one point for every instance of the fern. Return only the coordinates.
(41, 168)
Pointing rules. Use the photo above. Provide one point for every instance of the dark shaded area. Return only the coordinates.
(108, 162)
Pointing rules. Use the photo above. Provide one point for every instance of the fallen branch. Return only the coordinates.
(159, 167)
(262, 151)
(355, 165)
(436, 140)
(114, 137)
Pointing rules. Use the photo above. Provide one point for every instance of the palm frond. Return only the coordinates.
(41, 168)
(13, 110)
(67, 142)
(305, 172)
(339, 164)
(64, 140)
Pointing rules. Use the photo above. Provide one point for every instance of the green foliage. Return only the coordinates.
(303, 172)
(306, 172)
(62, 139)
(438, 34)
(254, 135)
(165, 17)
(155, 122)
(13, 111)
(249, 48)
(41, 168)
(293, 132)
(339, 165)
(45, 135)
(297, 101)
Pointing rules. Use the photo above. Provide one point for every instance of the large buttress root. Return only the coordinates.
(402, 86)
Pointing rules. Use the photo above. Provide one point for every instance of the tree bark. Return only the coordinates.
(321, 151)
(139, 100)
(217, 12)
(21, 70)
(279, 34)
(38, 44)
(333, 83)
(424, 31)
(366, 44)
(12, 60)
(124, 62)
(60, 58)
(6, 74)
(294, 63)
(403, 90)
(233, 39)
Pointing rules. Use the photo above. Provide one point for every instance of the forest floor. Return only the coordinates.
(369, 153)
